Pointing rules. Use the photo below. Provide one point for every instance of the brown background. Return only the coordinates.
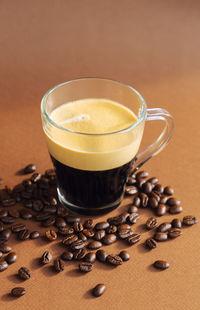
(151, 45)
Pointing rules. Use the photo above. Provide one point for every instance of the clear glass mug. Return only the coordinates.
(92, 181)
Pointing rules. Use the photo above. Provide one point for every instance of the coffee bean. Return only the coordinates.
(176, 223)
(82, 237)
(164, 227)
(140, 182)
(116, 220)
(153, 203)
(114, 260)
(60, 222)
(161, 209)
(131, 190)
(26, 182)
(146, 187)
(58, 265)
(173, 202)
(26, 195)
(175, 209)
(3, 265)
(134, 238)
(101, 225)
(101, 255)
(28, 204)
(69, 239)
(151, 223)
(174, 232)
(8, 202)
(136, 202)
(160, 236)
(109, 239)
(67, 230)
(163, 199)
(79, 254)
(131, 180)
(133, 218)
(29, 169)
(123, 227)
(125, 233)
(89, 233)
(34, 235)
(161, 264)
(24, 234)
(78, 227)
(88, 224)
(63, 212)
(168, 190)
(155, 195)
(24, 273)
(132, 209)
(99, 234)
(5, 235)
(94, 245)
(124, 255)
(142, 174)
(3, 213)
(158, 188)
(38, 205)
(25, 214)
(72, 219)
(144, 200)
(4, 248)
(18, 291)
(49, 222)
(189, 220)
(151, 243)
(78, 244)
(50, 209)
(46, 258)
(90, 257)
(8, 220)
(85, 266)
(51, 235)
(153, 180)
(14, 213)
(111, 229)
(43, 183)
(11, 258)
(42, 216)
(67, 255)
(98, 290)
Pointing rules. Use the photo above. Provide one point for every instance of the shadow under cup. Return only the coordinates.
(92, 169)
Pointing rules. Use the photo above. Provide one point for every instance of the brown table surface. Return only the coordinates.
(151, 45)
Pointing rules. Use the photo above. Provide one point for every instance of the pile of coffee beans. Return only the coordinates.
(84, 239)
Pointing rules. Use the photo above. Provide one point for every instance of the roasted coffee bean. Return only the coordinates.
(18, 291)
(101, 225)
(49, 222)
(114, 260)
(117, 220)
(5, 234)
(26, 182)
(78, 227)
(98, 290)
(88, 224)
(42, 216)
(79, 254)
(1, 254)
(24, 234)
(111, 229)
(144, 200)
(34, 235)
(53, 202)
(153, 203)
(58, 265)
(153, 180)
(125, 233)
(1, 227)
(85, 266)
(173, 202)
(163, 199)
(8, 220)
(123, 227)
(4, 248)
(134, 238)
(29, 169)
(174, 232)
(67, 255)
(60, 222)
(89, 233)
(168, 190)
(38, 205)
(101, 255)
(160, 236)
(78, 244)
(146, 187)
(131, 190)
(151, 223)
(82, 237)
(176, 223)
(26, 195)
(109, 239)
(125, 215)
(3, 213)
(3, 265)
(18, 188)
(24, 273)
(51, 235)
(67, 230)
(133, 218)
(158, 188)
(99, 234)
(72, 219)
(8, 202)
(161, 209)
(94, 245)
(28, 204)
(154, 195)
(140, 182)
(131, 180)
(151, 243)
(132, 208)
(68, 240)
(136, 202)
(175, 209)
(50, 209)
(62, 212)
(25, 214)
(164, 227)
(161, 264)
(90, 257)
(43, 183)
(50, 173)
(142, 174)
(189, 220)
(14, 213)
(11, 258)
(46, 258)
(124, 255)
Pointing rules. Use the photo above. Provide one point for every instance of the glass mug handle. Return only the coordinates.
(161, 142)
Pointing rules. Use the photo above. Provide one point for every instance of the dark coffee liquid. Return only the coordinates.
(91, 189)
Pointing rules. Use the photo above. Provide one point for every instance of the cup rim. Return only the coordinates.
(140, 119)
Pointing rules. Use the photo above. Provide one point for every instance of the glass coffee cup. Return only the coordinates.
(93, 129)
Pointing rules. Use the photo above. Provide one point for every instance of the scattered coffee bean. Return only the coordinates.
(24, 273)
(88, 224)
(70, 239)
(161, 264)
(161, 209)
(146, 187)
(153, 203)
(98, 290)
(153, 180)
(168, 190)
(11, 258)
(111, 229)
(49, 222)
(134, 238)
(124, 255)
(99, 234)
(3, 213)
(131, 190)
(42, 216)
(14, 213)
(29, 169)
(101, 225)
(116, 220)
(158, 188)
(109, 239)
(144, 200)
(72, 219)
(163, 199)
(155, 195)
(133, 218)
(3, 265)
(85, 266)
(142, 174)
(24, 234)
(58, 265)
(82, 237)
(164, 227)
(34, 235)
(67, 230)
(151, 223)
(174, 232)
(46, 258)
(89, 233)
(132, 209)
(60, 222)
(38, 205)
(151, 243)
(67, 256)
(8, 220)
(8, 202)
(176, 223)
(136, 202)
(114, 260)
(4, 248)
(78, 244)
(78, 227)
(173, 202)
(161, 236)
(175, 209)
(131, 180)
(101, 255)
(25, 214)
(5, 235)
(18, 291)
(51, 235)
(94, 245)
(189, 220)
(79, 254)
(90, 257)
